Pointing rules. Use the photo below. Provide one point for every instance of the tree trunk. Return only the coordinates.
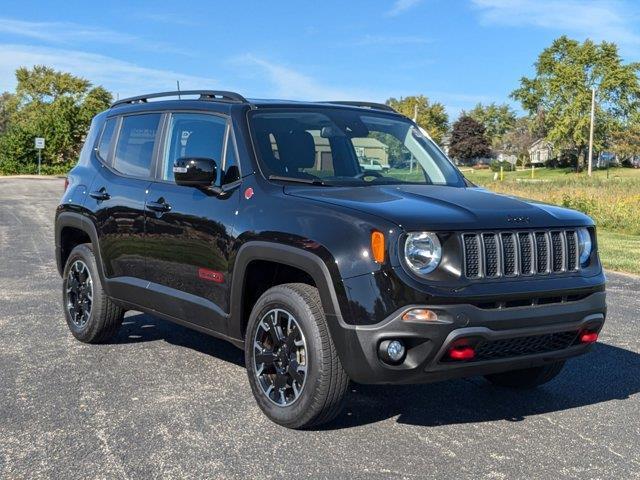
(580, 160)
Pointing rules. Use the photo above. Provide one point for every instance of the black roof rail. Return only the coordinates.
(220, 95)
(371, 105)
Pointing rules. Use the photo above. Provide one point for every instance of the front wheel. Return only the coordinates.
(293, 367)
(527, 377)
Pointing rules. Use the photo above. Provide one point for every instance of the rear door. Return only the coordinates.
(117, 196)
(189, 232)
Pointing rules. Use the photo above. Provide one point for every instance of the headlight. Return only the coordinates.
(584, 245)
(422, 252)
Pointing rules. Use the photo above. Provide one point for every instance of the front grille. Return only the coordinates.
(519, 346)
(511, 254)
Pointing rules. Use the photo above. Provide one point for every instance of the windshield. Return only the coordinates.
(332, 146)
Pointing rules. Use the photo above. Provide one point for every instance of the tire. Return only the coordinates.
(528, 377)
(319, 396)
(103, 318)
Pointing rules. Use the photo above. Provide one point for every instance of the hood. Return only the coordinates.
(435, 207)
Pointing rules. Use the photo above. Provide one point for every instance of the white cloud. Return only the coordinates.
(120, 77)
(401, 6)
(67, 33)
(600, 20)
(285, 82)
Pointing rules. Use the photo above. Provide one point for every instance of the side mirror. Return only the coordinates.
(195, 172)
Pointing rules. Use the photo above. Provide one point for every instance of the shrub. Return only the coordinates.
(495, 166)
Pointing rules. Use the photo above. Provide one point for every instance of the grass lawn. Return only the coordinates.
(619, 251)
(485, 176)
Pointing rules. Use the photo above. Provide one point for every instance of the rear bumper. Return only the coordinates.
(427, 343)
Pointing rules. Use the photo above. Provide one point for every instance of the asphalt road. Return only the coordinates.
(164, 401)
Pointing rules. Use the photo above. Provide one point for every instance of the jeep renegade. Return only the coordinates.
(259, 223)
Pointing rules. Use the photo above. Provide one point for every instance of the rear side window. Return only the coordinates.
(106, 137)
(134, 150)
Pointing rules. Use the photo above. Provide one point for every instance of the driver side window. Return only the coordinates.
(194, 135)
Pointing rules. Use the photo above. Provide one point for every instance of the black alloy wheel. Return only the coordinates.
(280, 357)
(79, 293)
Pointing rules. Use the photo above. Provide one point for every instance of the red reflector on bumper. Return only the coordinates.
(462, 352)
(211, 275)
(589, 337)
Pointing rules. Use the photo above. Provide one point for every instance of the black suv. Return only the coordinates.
(255, 221)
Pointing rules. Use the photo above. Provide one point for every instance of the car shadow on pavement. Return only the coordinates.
(140, 327)
(605, 373)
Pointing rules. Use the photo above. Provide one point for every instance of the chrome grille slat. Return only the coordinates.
(472, 256)
(572, 250)
(491, 260)
(542, 252)
(519, 253)
(557, 248)
(509, 254)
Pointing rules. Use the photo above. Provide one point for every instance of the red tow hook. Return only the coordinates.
(588, 336)
(461, 352)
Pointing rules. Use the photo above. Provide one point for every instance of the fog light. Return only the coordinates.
(420, 315)
(392, 351)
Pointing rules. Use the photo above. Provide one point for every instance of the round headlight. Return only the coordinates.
(422, 252)
(584, 245)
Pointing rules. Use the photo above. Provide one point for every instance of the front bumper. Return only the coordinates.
(427, 343)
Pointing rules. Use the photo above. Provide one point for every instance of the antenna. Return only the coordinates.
(178, 84)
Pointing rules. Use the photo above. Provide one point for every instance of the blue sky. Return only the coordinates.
(458, 52)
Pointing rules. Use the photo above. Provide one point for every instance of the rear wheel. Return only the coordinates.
(294, 370)
(527, 377)
(91, 316)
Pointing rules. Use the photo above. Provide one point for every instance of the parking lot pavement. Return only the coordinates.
(164, 401)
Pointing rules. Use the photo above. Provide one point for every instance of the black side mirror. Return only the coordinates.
(195, 172)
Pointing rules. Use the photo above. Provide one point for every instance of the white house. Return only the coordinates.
(540, 151)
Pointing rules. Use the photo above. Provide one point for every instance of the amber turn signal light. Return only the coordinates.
(377, 246)
(420, 315)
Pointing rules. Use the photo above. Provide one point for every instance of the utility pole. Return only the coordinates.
(593, 108)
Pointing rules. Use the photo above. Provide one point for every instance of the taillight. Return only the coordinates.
(66, 183)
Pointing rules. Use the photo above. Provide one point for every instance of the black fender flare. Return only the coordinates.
(80, 222)
(289, 255)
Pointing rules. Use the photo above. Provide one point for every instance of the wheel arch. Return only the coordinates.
(287, 255)
(80, 228)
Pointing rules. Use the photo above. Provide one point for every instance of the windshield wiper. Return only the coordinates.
(308, 181)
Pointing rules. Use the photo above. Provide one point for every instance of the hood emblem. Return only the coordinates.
(512, 219)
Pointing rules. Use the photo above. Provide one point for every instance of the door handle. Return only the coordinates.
(159, 206)
(100, 195)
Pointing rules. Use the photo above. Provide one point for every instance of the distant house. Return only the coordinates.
(606, 159)
(540, 152)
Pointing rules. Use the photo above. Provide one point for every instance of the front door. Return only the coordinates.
(189, 232)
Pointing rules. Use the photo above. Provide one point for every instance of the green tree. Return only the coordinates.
(431, 116)
(51, 104)
(565, 72)
(625, 139)
(7, 107)
(518, 140)
(468, 140)
(496, 119)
